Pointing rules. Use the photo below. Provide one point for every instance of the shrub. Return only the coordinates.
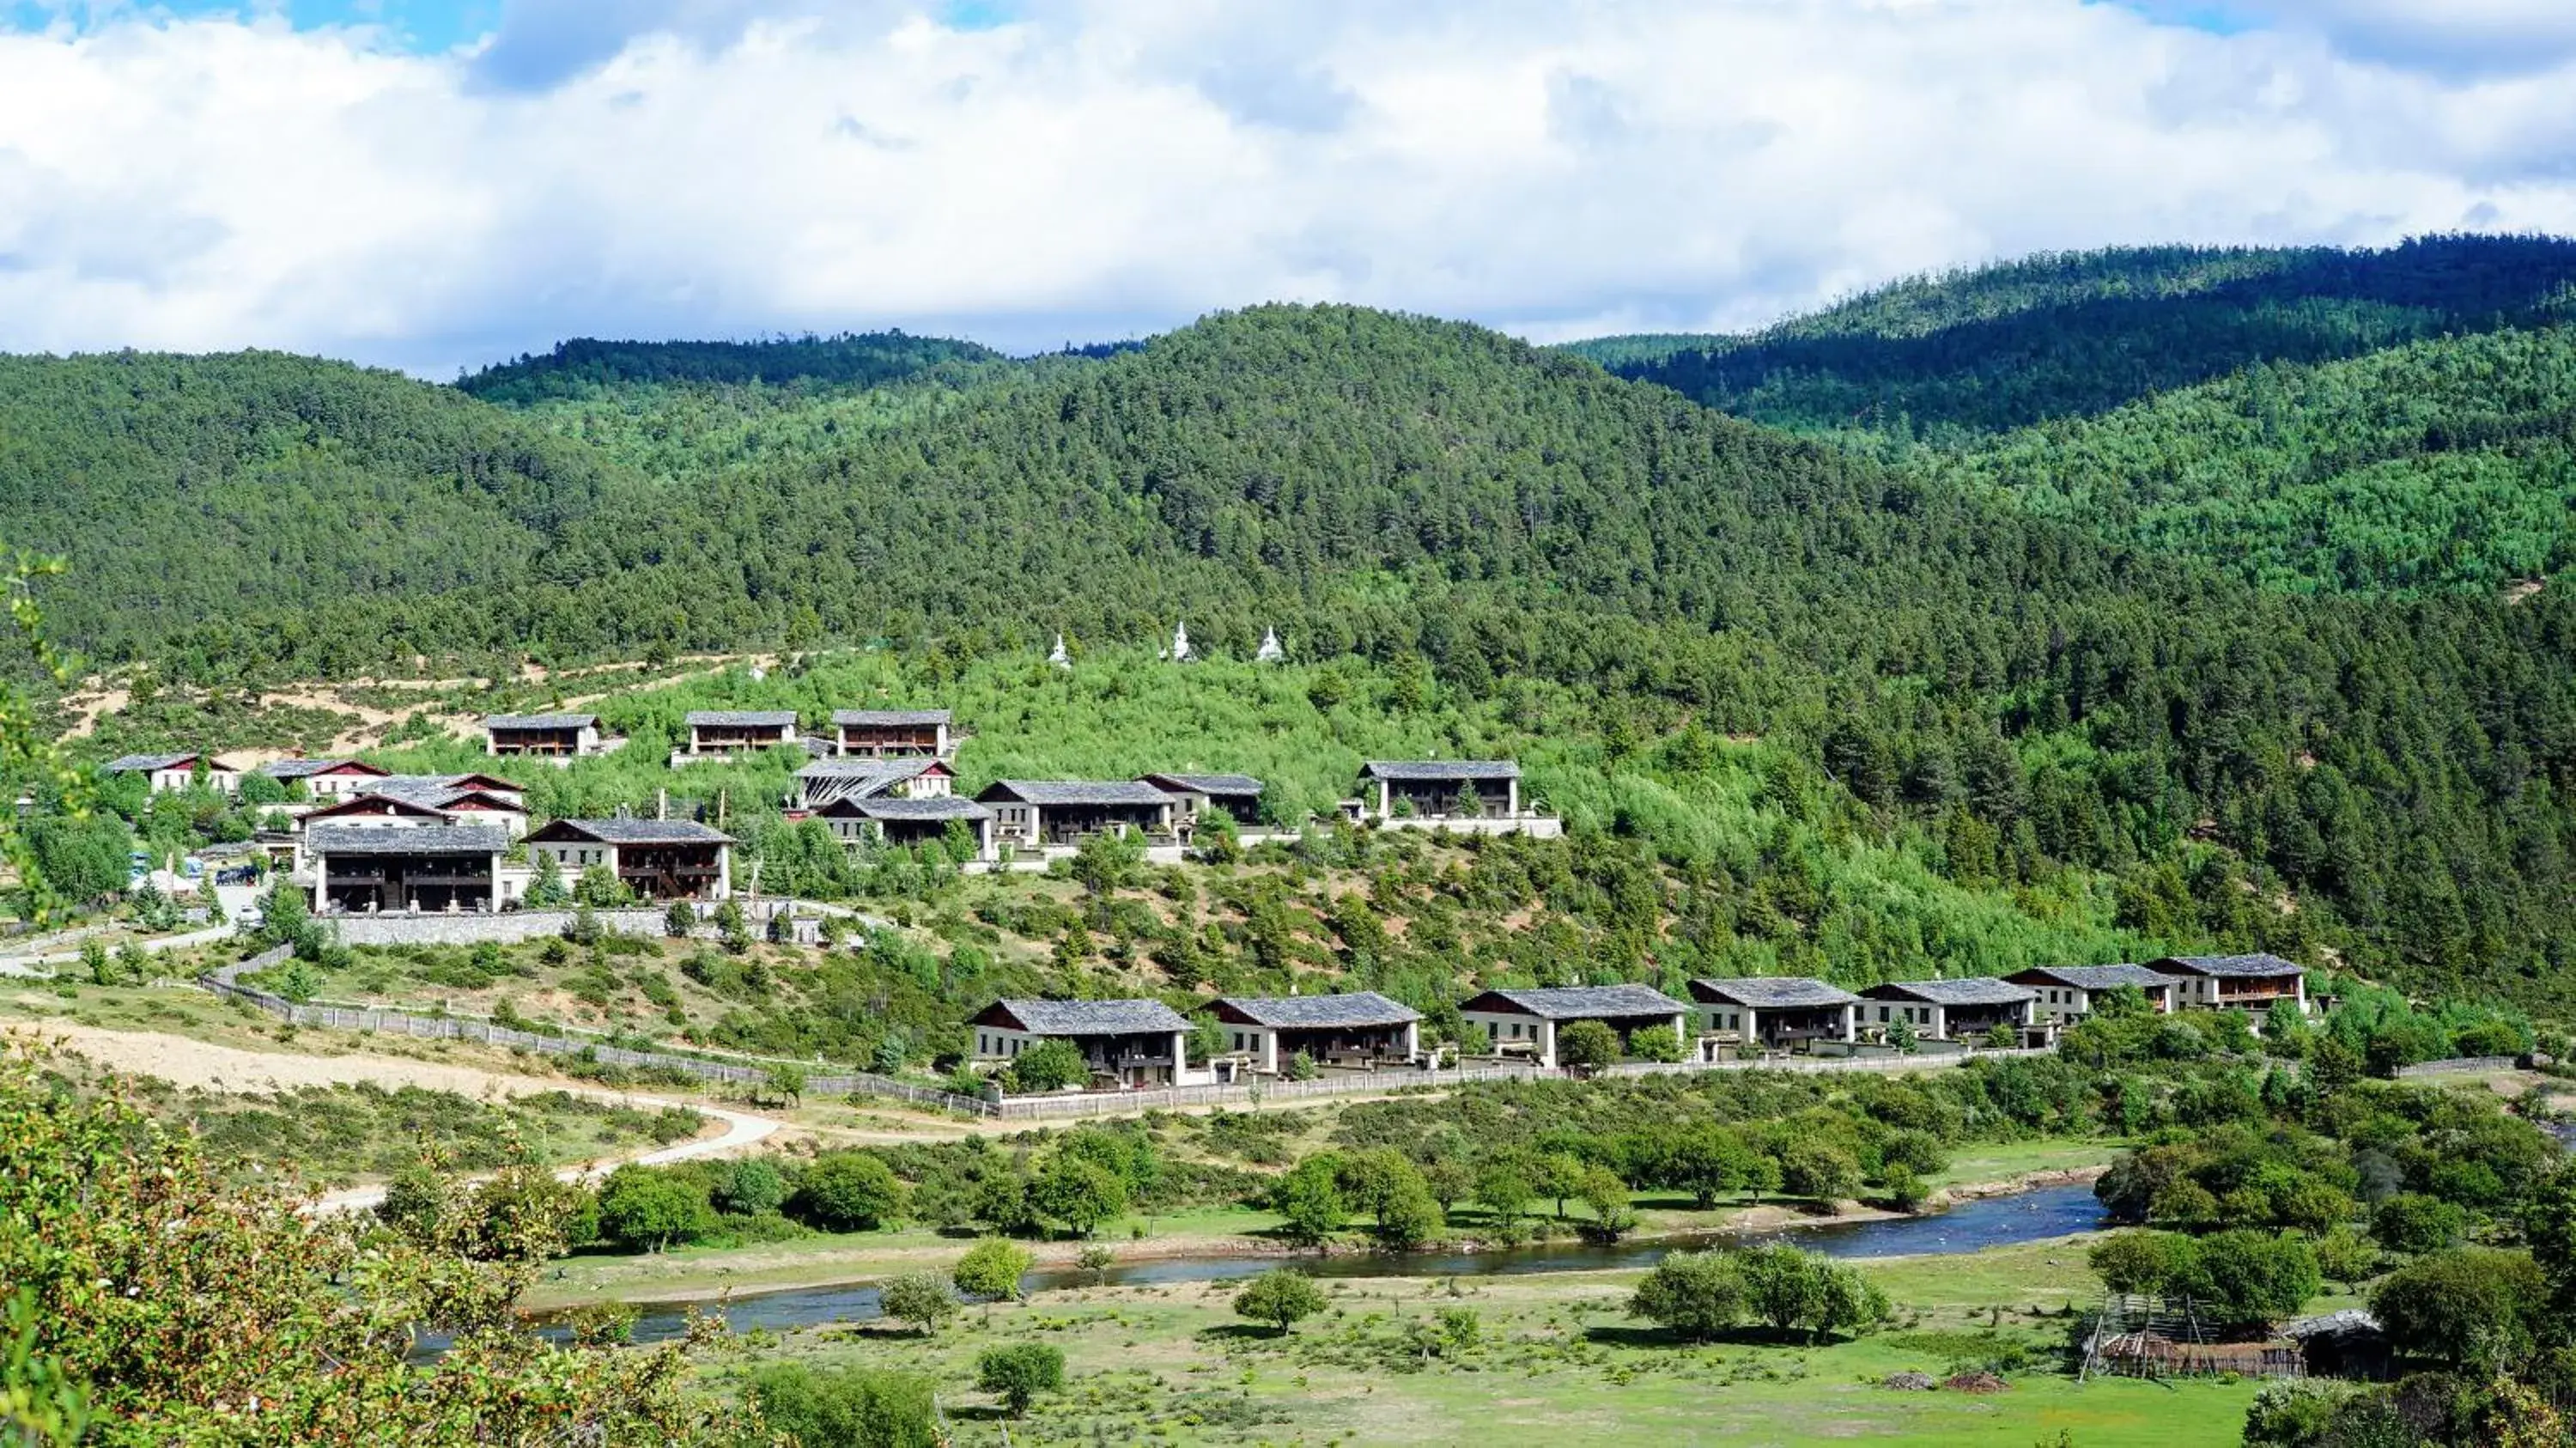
(750, 1187)
(1586, 1044)
(645, 1209)
(846, 1407)
(2471, 1306)
(1696, 1296)
(847, 1191)
(1308, 1196)
(1049, 1066)
(920, 1298)
(1819, 1170)
(1016, 1374)
(992, 1269)
(1280, 1297)
(1656, 1043)
(1080, 1194)
(2412, 1222)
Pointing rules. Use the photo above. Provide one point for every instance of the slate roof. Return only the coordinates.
(1210, 783)
(307, 768)
(541, 721)
(889, 717)
(1436, 770)
(1090, 1018)
(427, 791)
(2234, 967)
(826, 780)
(2100, 977)
(1580, 1002)
(420, 840)
(1965, 991)
(1076, 791)
(1773, 992)
(145, 763)
(743, 718)
(940, 807)
(644, 832)
(1357, 1008)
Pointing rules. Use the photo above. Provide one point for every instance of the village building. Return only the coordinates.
(1236, 796)
(325, 779)
(163, 773)
(826, 780)
(556, 737)
(1360, 1029)
(2067, 992)
(1035, 813)
(360, 870)
(906, 823)
(1775, 1013)
(1966, 1009)
(1526, 1021)
(892, 734)
(2247, 983)
(655, 859)
(724, 733)
(1128, 1042)
(1440, 789)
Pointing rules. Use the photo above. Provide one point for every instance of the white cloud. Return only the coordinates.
(1108, 167)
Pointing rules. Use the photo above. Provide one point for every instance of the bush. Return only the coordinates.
(2414, 1223)
(1696, 1296)
(848, 1191)
(1016, 1374)
(1586, 1044)
(2249, 1278)
(1819, 1170)
(1791, 1288)
(1049, 1066)
(1280, 1297)
(1080, 1194)
(846, 1407)
(2473, 1306)
(992, 1269)
(920, 1298)
(749, 1187)
(644, 1209)
(1656, 1043)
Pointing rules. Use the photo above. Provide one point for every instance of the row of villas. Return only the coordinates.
(723, 733)
(1135, 1043)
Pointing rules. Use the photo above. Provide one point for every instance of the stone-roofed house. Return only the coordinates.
(1778, 1012)
(358, 869)
(325, 779)
(1129, 1042)
(1525, 1020)
(723, 733)
(826, 780)
(2247, 983)
(1038, 813)
(1358, 1029)
(656, 859)
(907, 823)
(892, 734)
(163, 773)
(1480, 796)
(2067, 992)
(1236, 796)
(1964, 1009)
(557, 738)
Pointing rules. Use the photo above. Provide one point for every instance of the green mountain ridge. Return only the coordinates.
(1946, 359)
(1456, 510)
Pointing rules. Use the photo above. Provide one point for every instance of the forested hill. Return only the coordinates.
(1458, 506)
(2444, 464)
(1949, 358)
(588, 367)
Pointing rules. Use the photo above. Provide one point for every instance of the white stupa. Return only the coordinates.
(1181, 644)
(1269, 652)
(1057, 656)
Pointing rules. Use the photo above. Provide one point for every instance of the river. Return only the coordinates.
(1971, 1226)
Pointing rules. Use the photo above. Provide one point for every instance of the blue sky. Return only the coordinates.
(428, 184)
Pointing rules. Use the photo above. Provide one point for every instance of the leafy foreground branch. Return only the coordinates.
(152, 1302)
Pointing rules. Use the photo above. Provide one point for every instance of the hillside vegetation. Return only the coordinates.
(2069, 334)
(1464, 522)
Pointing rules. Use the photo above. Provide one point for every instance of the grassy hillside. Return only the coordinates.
(1946, 358)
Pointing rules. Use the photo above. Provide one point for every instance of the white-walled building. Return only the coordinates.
(1359, 1028)
(1133, 1042)
(1525, 1021)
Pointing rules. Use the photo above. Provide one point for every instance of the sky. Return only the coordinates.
(437, 184)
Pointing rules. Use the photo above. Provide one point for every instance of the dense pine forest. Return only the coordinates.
(2219, 630)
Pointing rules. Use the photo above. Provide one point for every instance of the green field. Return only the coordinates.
(1559, 1363)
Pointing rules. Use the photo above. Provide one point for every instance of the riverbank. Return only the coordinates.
(702, 1275)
